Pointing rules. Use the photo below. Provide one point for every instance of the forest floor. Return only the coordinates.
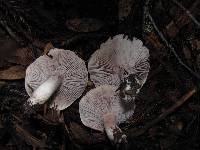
(167, 114)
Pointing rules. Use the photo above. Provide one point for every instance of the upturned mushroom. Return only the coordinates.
(120, 62)
(101, 109)
(60, 74)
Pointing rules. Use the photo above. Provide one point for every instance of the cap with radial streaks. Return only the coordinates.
(99, 102)
(65, 64)
(116, 55)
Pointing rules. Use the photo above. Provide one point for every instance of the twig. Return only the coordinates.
(180, 102)
(187, 12)
(138, 118)
(36, 143)
(166, 42)
(172, 48)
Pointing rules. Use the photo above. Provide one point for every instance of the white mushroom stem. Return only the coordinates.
(113, 132)
(45, 90)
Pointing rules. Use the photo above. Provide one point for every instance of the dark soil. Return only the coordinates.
(34, 23)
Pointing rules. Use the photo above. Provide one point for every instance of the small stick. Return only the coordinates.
(187, 12)
(171, 47)
(28, 138)
(146, 10)
(180, 102)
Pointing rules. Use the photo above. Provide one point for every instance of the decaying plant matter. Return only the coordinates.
(167, 112)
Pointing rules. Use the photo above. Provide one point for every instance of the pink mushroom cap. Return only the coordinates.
(100, 102)
(67, 66)
(107, 64)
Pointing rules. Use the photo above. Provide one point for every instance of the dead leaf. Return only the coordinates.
(153, 39)
(84, 24)
(124, 8)
(48, 47)
(22, 56)
(13, 73)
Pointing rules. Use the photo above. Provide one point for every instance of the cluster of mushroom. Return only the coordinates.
(118, 69)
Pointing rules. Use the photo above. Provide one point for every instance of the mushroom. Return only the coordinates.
(45, 90)
(60, 74)
(101, 109)
(120, 60)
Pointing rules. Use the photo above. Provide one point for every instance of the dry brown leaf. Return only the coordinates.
(84, 24)
(13, 73)
(48, 47)
(22, 56)
(153, 39)
(124, 8)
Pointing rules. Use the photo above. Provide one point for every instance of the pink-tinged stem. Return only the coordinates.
(113, 132)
